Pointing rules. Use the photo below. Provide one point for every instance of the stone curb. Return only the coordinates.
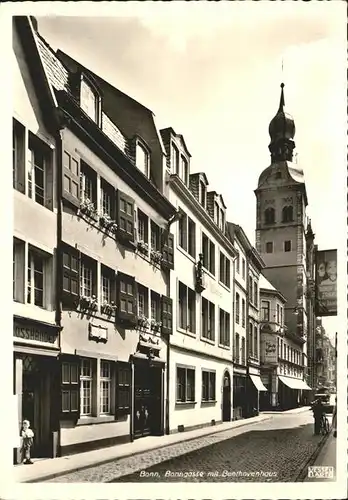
(47, 476)
(302, 475)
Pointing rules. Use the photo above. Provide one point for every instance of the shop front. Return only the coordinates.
(254, 386)
(36, 375)
(239, 393)
(290, 391)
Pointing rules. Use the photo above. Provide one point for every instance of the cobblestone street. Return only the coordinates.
(274, 450)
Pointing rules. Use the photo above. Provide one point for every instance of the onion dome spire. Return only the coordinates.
(282, 131)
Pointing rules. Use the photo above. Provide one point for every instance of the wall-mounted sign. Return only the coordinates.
(35, 333)
(326, 283)
(98, 333)
(270, 354)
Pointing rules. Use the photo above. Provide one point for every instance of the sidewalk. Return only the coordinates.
(326, 457)
(50, 468)
(287, 412)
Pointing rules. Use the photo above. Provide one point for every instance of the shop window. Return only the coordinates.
(126, 297)
(70, 388)
(18, 156)
(125, 215)
(224, 335)
(237, 308)
(208, 250)
(71, 178)
(208, 319)
(185, 385)
(208, 386)
(40, 172)
(167, 315)
(142, 159)
(187, 308)
(123, 388)
(225, 270)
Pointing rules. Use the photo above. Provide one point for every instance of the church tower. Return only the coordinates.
(281, 224)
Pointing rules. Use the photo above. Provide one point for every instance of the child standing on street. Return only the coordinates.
(27, 436)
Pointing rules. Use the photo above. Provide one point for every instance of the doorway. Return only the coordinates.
(226, 398)
(147, 400)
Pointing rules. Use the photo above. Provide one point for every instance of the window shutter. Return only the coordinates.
(70, 388)
(71, 178)
(167, 315)
(70, 262)
(126, 297)
(168, 249)
(125, 216)
(123, 388)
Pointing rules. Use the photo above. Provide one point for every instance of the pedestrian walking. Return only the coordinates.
(318, 412)
(27, 437)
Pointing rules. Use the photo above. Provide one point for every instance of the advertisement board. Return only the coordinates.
(270, 354)
(326, 283)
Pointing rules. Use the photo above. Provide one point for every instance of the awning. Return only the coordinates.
(294, 383)
(35, 351)
(258, 382)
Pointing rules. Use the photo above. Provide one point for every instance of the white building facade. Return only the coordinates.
(200, 359)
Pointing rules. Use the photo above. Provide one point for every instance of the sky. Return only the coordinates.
(212, 71)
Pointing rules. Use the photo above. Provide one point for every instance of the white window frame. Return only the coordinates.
(143, 167)
(32, 254)
(86, 187)
(86, 279)
(105, 382)
(32, 176)
(86, 105)
(86, 388)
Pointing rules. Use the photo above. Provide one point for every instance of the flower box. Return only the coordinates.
(143, 247)
(89, 302)
(87, 207)
(108, 309)
(156, 256)
(143, 321)
(108, 223)
(155, 325)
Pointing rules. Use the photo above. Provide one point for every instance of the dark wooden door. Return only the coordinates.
(226, 398)
(147, 400)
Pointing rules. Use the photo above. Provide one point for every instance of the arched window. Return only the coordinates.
(269, 215)
(287, 214)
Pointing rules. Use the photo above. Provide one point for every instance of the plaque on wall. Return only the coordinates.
(98, 333)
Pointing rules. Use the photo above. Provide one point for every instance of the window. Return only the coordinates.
(265, 308)
(243, 269)
(203, 194)
(287, 246)
(87, 277)
(208, 319)
(142, 302)
(222, 220)
(187, 308)
(208, 385)
(107, 199)
(237, 262)
(243, 312)
(237, 307)
(71, 178)
(167, 249)
(167, 315)
(208, 250)
(217, 214)
(86, 379)
(38, 170)
(256, 298)
(18, 156)
(281, 316)
(89, 101)
(187, 234)
(281, 348)
(250, 290)
(184, 170)
(269, 247)
(269, 215)
(143, 227)
(105, 387)
(224, 270)
(71, 273)
(155, 306)
(18, 270)
(250, 340)
(175, 160)
(123, 388)
(125, 215)
(256, 342)
(108, 286)
(126, 297)
(36, 279)
(185, 385)
(155, 237)
(224, 338)
(278, 314)
(88, 185)
(243, 360)
(237, 349)
(287, 214)
(70, 388)
(142, 159)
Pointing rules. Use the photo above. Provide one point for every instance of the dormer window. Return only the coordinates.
(184, 170)
(90, 101)
(222, 220)
(175, 160)
(217, 214)
(202, 194)
(142, 159)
